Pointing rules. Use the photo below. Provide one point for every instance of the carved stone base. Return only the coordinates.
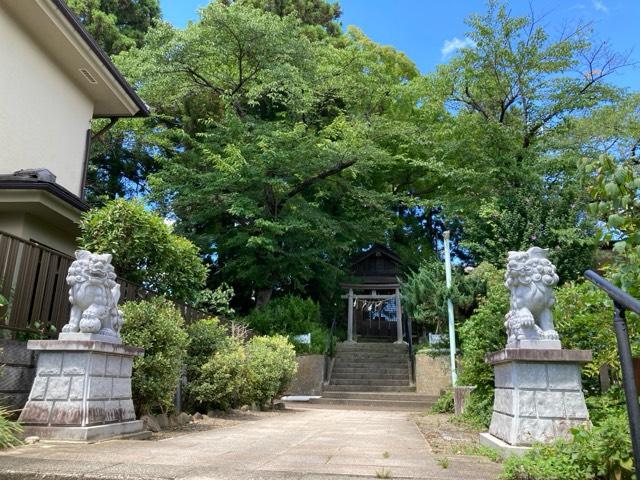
(535, 344)
(538, 395)
(80, 385)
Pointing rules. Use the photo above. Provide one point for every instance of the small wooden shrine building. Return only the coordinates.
(374, 310)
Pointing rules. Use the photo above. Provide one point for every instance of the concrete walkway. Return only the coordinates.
(303, 443)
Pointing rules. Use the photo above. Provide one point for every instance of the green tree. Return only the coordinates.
(311, 12)
(611, 175)
(117, 25)
(516, 96)
(244, 95)
(145, 250)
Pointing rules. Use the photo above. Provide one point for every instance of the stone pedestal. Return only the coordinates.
(538, 395)
(82, 391)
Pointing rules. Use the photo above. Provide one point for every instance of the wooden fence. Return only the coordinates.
(33, 280)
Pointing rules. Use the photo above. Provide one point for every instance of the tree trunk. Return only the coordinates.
(263, 296)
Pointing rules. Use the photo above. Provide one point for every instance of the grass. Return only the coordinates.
(384, 473)
(443, 462)
(386, 454)
(483, 451)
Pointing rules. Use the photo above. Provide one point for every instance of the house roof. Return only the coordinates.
(28, 180)
(57, 31)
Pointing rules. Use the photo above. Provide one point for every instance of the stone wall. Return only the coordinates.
(308, 380)
(17, 371)
(433, 373)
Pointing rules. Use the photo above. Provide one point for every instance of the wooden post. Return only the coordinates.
(398, 316)
(350, 316)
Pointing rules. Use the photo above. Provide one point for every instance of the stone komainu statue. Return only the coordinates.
(94, 295)
(530, 278)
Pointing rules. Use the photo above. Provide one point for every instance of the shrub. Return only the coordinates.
(444, 404)
(204, 389)
(481, 333)
(271, 365)
(206, 337)
(291, 316)
(156, 326)
(9, 430)
(601, 452)
(219, 382)
(584, 318)
(145, 249)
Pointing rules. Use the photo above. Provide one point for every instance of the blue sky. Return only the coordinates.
(429, 30)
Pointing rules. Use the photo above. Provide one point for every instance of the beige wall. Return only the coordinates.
(30, 227)
(433, 373)
(44, 116)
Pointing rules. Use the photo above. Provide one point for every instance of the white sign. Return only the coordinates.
(304, 339)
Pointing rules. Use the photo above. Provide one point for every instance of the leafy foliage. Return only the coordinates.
(584, 318)
(291, 316)
(271, 365)
(424, 294)
(482, 333)
(145, 250)
(444, 404)
(220, 381)
(602, 452)
(217, 302)
(9, 430)
(117, 25)
(614, 185)
(156, 326)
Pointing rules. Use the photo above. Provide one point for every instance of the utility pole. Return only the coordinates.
(452, 329)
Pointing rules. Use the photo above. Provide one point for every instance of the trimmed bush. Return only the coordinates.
(156, 326)
(271, 365)
(218, 383)
(291, 316)
(206, 337)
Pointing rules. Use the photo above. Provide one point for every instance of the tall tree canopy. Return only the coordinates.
(516, 95)
(281, 151)
(117, 25)
(273, 141)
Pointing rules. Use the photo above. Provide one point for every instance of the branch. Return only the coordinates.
(337, 168)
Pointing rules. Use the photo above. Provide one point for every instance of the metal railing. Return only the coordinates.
(622, 302)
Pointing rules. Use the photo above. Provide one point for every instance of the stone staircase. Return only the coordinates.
(373, 375)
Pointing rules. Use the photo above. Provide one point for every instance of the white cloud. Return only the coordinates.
(455, 44)
(600, 6)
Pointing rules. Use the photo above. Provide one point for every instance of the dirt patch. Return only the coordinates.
(446, 436)
(216, 420)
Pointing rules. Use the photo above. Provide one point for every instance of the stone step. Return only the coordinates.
(371, 375)
(368, 388)
(371, 367)
(414, 397)
(372, 347)
(368, 369)
(369, 381)
(390, 404)
(372, 355)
